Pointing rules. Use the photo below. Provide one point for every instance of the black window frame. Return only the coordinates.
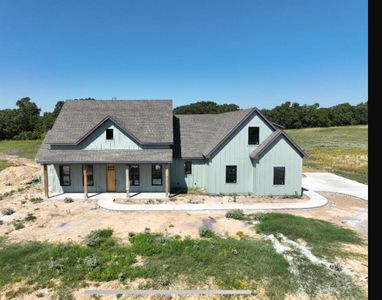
(253, 137)
(188, 171)
(156, 172)
(90, 175)
(110, 131)
(227, 174)
(135, 173)
(282, 178)
(62, 175)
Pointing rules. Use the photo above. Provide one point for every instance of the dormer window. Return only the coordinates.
(109, 134)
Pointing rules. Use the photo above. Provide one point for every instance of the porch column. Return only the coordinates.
(127, 182)
(167, 176)
(85, 174)
(46, 181)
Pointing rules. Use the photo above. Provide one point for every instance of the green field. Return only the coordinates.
(341, 150)
(27, 149)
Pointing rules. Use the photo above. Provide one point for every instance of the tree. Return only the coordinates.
(28, 114)
(205, 107)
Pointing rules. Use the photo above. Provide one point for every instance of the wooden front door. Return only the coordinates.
(111, 179)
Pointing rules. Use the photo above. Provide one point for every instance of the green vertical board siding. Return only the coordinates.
(236, 152)
(197, 178)
(97, 140)
(99, 171)
(281, 154)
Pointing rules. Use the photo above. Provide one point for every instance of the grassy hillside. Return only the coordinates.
(26, 149)
(341, 150)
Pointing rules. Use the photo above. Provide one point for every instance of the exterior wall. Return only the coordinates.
(97, 140)
(197, 178)
(99, 171)
(236, 152)
(280, 155)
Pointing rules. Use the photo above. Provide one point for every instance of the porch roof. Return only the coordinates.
(47, 156)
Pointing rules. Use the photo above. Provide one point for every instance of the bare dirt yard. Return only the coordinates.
(35, 218)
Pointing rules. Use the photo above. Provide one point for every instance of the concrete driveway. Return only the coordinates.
(329, 182)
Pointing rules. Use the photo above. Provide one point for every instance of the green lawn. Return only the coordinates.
(228, 263)
(27, 149)
(341, 150)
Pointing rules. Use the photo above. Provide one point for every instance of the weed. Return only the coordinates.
(30, 218)
(35, 200)
(68, 200)
(17, 224)
(236, 214)
(8, 211)
(96, 237)
(206, 232)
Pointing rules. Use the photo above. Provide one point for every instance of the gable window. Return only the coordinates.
(253, 135)
(109, 134)
(187, 168)
(279, 175)
(64, 175)
(90, 175)
(156, 175)
(231, 174)
(134, 175)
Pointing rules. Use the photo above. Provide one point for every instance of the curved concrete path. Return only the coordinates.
(329, 182)
(315, 200)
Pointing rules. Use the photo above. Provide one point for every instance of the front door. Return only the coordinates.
(111, 179)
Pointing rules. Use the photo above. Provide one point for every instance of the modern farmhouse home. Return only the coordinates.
(138, 146)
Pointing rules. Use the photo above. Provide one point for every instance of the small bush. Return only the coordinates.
(206, 232)
(236, 214)
(96, 237)
(68, 200)
(30, 218)
(240, 234)
(258, 217)
(18, 225)
(36, 199)
(91, 262)
(8, 211)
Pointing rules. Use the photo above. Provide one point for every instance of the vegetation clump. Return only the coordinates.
(68, 200)
(8, 211)
(236, 214)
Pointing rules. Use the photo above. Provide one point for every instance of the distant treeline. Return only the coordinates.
(25, 121)
(292, 115)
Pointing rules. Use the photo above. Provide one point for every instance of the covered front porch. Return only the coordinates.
(116, 180)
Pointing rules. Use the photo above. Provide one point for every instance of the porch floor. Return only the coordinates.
(98, 196)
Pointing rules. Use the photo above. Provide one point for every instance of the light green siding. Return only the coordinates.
(97, 140)
(281, 154)
(197, 178)
(236, 152)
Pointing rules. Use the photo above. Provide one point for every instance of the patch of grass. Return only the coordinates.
(8, 211)
(5, 164)
(236, 214)
(68, 200)
(7, 194)
(17, 224)
(36, 200)
(323, 238)
(341, 150)
(30, 218)
(206, 232)
(27, 149)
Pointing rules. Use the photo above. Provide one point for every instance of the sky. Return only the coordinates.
(253, 53)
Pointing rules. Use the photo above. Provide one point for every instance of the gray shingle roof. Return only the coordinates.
(198, 136)
(146, 121)
(266, 144)
(46, 156)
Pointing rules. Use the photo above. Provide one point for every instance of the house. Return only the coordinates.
(140, 146)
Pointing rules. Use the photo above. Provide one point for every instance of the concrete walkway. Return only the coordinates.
(315, 200)
(329, 182)
(98, 196)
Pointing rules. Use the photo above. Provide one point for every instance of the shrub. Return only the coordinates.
(236, 214)
(258, 217)
(30, 218)
(18, 225)
(206, 232)
(240, 234)
(68, 200)
(8, 211)
(91, 262)
(96, 237)
(36, 199)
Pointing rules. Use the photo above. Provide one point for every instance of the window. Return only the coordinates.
(90, 175)
(231, 174)
(64, 175)
(253, 135)
(134, 175)
(187, 167)
(279, 175)
(109, 134)
(156, 175)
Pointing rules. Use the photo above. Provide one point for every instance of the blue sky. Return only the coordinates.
(253, 53)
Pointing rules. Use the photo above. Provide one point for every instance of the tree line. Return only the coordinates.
(25, 122)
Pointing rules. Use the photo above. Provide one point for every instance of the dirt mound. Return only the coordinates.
(18, 175)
